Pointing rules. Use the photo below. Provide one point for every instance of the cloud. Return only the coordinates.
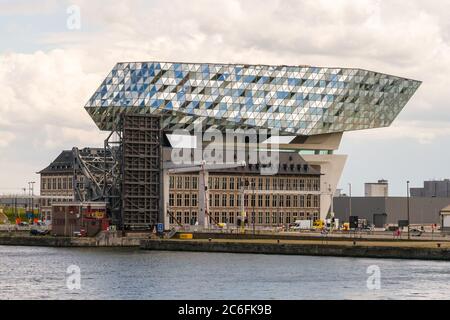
(42, 93)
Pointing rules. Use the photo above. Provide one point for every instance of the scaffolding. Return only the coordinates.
(142, 165)
(126, 173)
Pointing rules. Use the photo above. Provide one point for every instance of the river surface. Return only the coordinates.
(41, 273)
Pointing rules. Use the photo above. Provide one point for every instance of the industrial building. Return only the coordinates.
(292, 117)
(378, 208)
(378, 189)
(437, 189)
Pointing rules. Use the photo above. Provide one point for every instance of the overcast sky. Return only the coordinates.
(48, 71)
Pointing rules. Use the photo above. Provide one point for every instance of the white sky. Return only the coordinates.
(48, 72)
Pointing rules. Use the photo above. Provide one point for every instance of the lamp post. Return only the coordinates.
(407, 208)
(350, 200)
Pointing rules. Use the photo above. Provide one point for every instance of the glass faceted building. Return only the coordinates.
(310, 106)
(296, 100)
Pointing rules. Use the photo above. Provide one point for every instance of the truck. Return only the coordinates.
(302, 225)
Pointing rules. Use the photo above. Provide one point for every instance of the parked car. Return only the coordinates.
(37, 232)
(23, 224)
(415, 232)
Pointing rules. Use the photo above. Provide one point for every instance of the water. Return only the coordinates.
(40, 273)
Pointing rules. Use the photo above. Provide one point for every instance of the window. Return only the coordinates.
(267, 201)
(267, 217)
(288, 184)
(59, 184)
(302, 201)
(231, 200)
(194, 183)
(223, 218)
(308, 185)
(267, 183)
(301, 184)
(316, 185)
(187, 183)
(179, 217)
(239, 200)
(179, 200)
(231, 183)
(171, 182)
(295, 201)
(308, 201)
(274, 184)
(253, 202)
(194, 200)
(193, 217)
(260, 183)
(179, 182)
(294, 184)
(224, 200)
(281, 202)
(171, 200)
(260, 200)
(246, 200)
(187, 200)
(231, 218)
(216, 200)
(216, 183)
(171, 219)
(187, 219)
(281, 184)
(224, 183)
(260, 218)
(316, 201)
(288, 201)
(65, 183)
(44, 183)
(274, 201)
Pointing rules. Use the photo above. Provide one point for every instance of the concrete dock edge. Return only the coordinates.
(357, 251)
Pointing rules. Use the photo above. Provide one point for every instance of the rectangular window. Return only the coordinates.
(308, 201)
(179, 200)
(288, 201)
(281, 203)
(223, 218)
(267, 183)
(246, 200)
(194, 183)
(316, 201)
(171, 182)
(231, 200)
(194, 200)
(216, 200)
(187, 200)
(260, 200)
(267, 217)
(171, 200)
(231, 183)
(231, 218)
(224, 183)
(179, 182)
(267, 201)
(295, 202)
(187, 183)
(274, 201)
(216, 183)
(187, 218)
(224, 200)
(260, 218)
(301, 184)
(302, 201)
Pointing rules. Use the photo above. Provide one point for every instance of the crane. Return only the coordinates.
(202, 169)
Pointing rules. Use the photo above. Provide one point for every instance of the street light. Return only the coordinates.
(350, 200)
(407, 208)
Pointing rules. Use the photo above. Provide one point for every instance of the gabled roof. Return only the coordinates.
(62, 164)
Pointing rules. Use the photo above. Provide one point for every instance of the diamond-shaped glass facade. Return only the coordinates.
(300, 100)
